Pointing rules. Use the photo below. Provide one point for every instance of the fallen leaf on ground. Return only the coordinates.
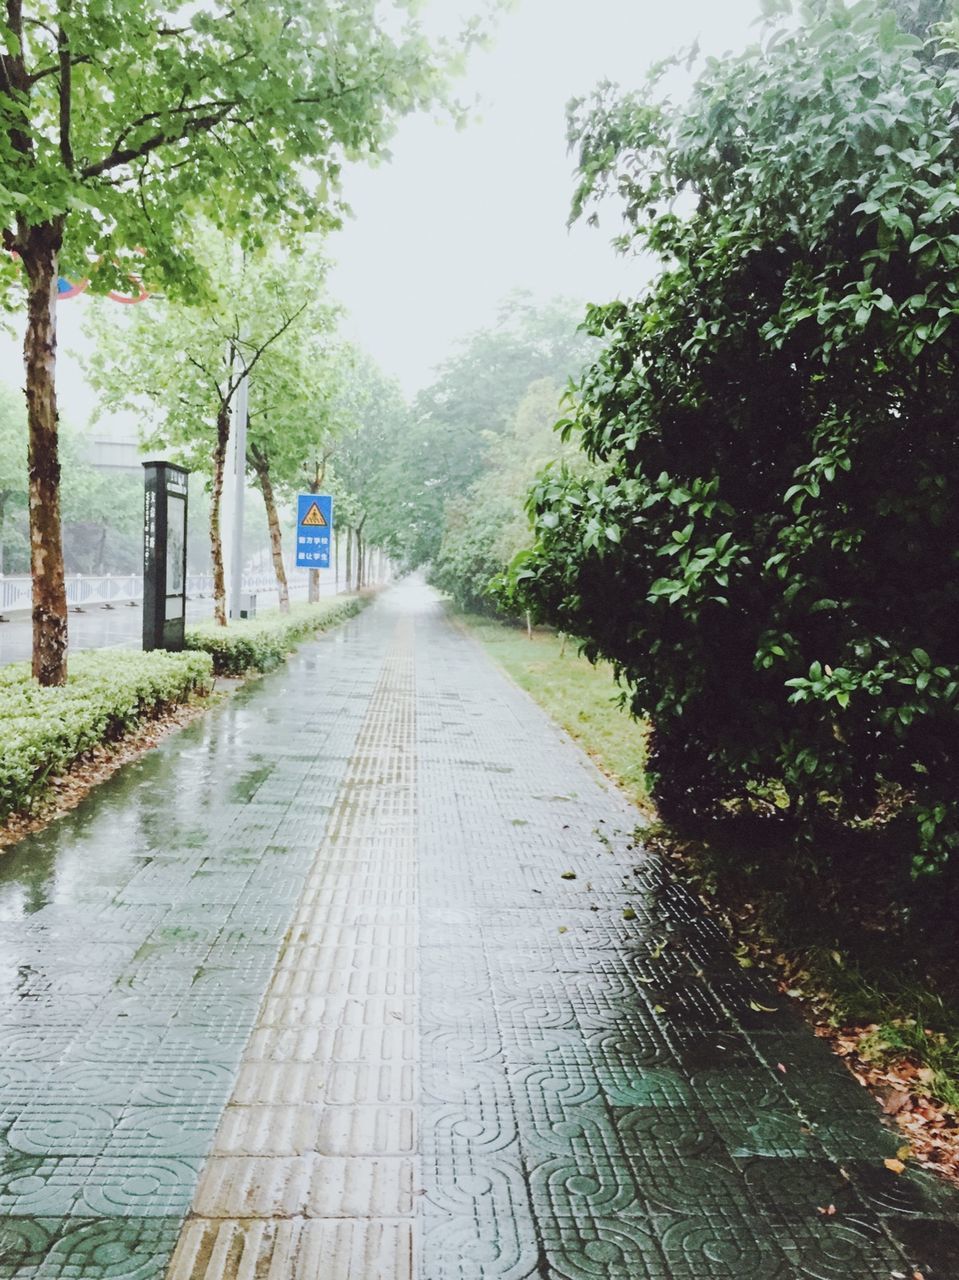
(896, 1166)
(893, 1100)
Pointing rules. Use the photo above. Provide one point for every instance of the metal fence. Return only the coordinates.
(85, 590)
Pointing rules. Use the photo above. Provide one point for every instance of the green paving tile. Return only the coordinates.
(138, 1186)
(111, 1249)
(24, 1244)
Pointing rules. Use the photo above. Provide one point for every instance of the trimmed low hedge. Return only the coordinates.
(43, 731)
(263, 643)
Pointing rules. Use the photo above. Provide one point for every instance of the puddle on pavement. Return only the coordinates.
(246, 786)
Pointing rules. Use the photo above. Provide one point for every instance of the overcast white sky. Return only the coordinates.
(461, 218)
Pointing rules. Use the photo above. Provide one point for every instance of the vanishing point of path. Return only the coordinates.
(305, 995)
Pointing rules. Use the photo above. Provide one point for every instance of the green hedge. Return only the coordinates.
(264, 642)
(42, 731)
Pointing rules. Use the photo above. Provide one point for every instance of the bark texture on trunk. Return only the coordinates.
(360, 583)
(216, 543)
(261, 465)
(40, 253)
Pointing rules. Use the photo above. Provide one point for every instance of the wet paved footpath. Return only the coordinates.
(304, 995)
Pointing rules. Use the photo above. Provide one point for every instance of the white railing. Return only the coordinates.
(90, 590)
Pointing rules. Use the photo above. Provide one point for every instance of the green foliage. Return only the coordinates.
(44, 730)
(177, 365)
(488, 526)
(132, 118)
(767, 548)
(263, 643)
(366, 479)
(13, 460)
(13, 445)
(475, 399)
(295, 412)
(102, 512)
(470, 554)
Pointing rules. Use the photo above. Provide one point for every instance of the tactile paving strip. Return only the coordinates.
(314, 1169)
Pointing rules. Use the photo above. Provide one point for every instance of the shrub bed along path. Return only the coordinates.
(61, 740)
(361, 976)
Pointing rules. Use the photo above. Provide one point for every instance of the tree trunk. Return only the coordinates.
(359, 554)
(261, 464)
(216, 544)
(3, 512)
(40, 249)
(349, 558)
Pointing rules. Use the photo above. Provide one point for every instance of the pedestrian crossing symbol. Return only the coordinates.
(313, 518)
(314, 527)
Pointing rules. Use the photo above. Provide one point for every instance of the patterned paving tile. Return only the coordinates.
(341, 1003)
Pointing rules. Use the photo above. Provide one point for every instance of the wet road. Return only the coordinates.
(305, 995)
(119, 627)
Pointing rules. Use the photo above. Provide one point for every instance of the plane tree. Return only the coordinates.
(294, 420)
(179, 367)
(120, 124)
(379, 499)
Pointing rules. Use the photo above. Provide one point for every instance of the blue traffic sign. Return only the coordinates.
(314, 530)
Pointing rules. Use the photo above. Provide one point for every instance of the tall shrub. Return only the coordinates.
(770, 551)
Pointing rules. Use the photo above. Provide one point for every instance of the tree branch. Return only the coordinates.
(201, 124)
(146, 148)
(66, 87)
(54, 70)
(248, 366)
(180, 109)
(206, 372)
(14, 77)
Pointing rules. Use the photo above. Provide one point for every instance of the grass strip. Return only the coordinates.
(582, 698)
